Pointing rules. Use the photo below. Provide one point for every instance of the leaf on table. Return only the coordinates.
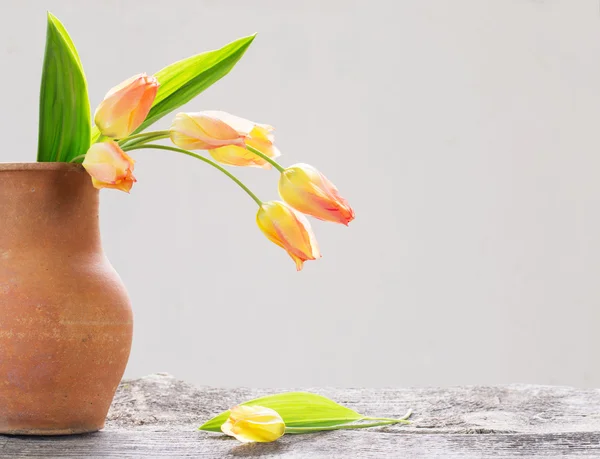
(298, 409)
(64, 128)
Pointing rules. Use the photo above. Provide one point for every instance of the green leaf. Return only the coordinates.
(64, 130)
(297, 409)
(182, 81)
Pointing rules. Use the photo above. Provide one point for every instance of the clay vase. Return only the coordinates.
(65, 317)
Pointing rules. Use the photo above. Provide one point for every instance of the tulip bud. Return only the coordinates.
(288, 229)
(254, 424)
(109, 166)
(307, 190)
(126, 106)
(225, 137)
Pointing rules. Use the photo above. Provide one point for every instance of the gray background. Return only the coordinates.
(464, 133)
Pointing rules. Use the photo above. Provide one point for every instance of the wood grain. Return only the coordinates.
(157, 416)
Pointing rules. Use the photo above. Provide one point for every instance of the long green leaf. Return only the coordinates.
(297, 409)
(64, 130)
(181, 81)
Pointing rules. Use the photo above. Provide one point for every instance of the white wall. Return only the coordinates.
(464, 133)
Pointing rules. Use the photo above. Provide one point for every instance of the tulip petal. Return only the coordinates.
(109, 166)
(125, 106)
(122, 101)
(102, 172)
(298, 239)
(198, 131)
(144, 105)
(214, 128)
(260, 432)
(227, 428)
(290, 230)
(241, 125)
(234, 155)
(307, 190)
(264, 146)
(121, 185)
(254, 424)
(123, 85)
(262, 133)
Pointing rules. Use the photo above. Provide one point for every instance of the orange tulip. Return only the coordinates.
(288, 229)
(307, 190)
(126, 106)
(109, 166)
(202, 131)
(254, 424)
(225, 137)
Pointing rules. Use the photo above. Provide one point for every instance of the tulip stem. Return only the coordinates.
(143, 137)
(275, 164)
(364, 425)
(201, 158)
(402, 419)
(77, 158)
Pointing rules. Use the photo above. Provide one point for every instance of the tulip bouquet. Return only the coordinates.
(120, 127)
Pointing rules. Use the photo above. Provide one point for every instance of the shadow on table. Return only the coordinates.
(262, 449)
(50, 438)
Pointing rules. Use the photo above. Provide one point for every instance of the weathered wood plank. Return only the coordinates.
(157, 416)
(343, 445)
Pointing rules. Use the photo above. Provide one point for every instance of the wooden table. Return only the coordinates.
(157, 416)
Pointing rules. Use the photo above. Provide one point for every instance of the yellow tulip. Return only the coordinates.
(288, 229)
(225, 137)
(109, 166)
(307, 190)
(126, 106)
(254, 424)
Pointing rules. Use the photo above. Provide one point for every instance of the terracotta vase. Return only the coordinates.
(65, 317)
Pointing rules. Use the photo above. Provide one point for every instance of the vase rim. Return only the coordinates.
(49, 166)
